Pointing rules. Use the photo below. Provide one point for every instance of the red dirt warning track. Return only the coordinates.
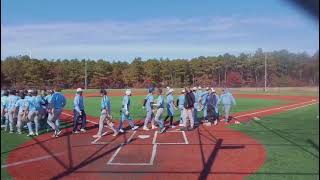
(212, 152)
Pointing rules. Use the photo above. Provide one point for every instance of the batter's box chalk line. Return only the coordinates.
(154, 149)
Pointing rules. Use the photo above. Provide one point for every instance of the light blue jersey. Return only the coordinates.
(126, 103)
(22, 105)
(58, 101)
(227, 99)
(181, 101)
(160, 102)
(106, 104)
(11, 102)
(170, 101)
(32, 103)
(78, 103)
(196, 100)
(4, 100)
(39, 102)
(48, 98)
(149, 102)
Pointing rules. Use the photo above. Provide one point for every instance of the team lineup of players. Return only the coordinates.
(42, 109)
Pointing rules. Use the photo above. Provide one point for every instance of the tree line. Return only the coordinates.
(284, 68)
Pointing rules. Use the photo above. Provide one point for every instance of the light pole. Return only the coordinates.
(265, 72)
(85, 75)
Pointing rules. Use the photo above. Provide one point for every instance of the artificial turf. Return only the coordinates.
(92, 106)
(285, 159)
(291, 140)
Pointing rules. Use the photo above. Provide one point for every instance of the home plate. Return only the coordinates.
(143, 136)
(255, 118)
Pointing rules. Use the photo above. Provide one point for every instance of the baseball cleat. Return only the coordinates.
(145, 128)
(31, 134)
(97, 136)
(135, 128)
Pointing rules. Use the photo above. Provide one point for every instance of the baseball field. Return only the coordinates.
(277, 138)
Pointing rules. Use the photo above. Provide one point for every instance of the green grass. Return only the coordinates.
(291, 140)
(287, 91)
(92, 106)
(9, 142)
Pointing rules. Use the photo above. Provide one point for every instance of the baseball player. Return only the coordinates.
(4, 99)
(57, 101)
(22, 107)
(10, 105)
(160, 107)
(105, 114)
(180, 102)
(204, 96)
(196, 106)
(48, 108)
(227, 101)
(212, 102)
(148, 101)
(41, 101)
(78, 112)
(125, 112)
(33, 115)
(170, 107)
(188, 113)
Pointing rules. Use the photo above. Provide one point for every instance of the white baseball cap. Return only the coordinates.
(128, 92)
(194, 88)
(199, 87)
(207, 88)
(183, 91)
(30, 91)
(170, 90)
(213, 90)
(79, 90)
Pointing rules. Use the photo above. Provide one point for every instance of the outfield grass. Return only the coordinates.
(92, 106)
(291, 140)
(287, 91)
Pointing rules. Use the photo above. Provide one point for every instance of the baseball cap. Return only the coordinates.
(79, 90)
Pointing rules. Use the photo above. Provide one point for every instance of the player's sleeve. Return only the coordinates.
(76, 104)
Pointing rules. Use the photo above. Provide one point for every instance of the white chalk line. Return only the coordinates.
(183, 134)
(31, 160)
(302, 106)
(258, 112)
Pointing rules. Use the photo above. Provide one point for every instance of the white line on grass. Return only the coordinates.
(31, 160)
(302, 106)
(273, 109)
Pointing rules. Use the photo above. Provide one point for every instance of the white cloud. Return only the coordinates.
(166, 37)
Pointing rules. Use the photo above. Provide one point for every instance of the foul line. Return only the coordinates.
(273, 109)
(30, 160)
(302, 106)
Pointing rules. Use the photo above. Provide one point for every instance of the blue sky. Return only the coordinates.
(124, 29)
